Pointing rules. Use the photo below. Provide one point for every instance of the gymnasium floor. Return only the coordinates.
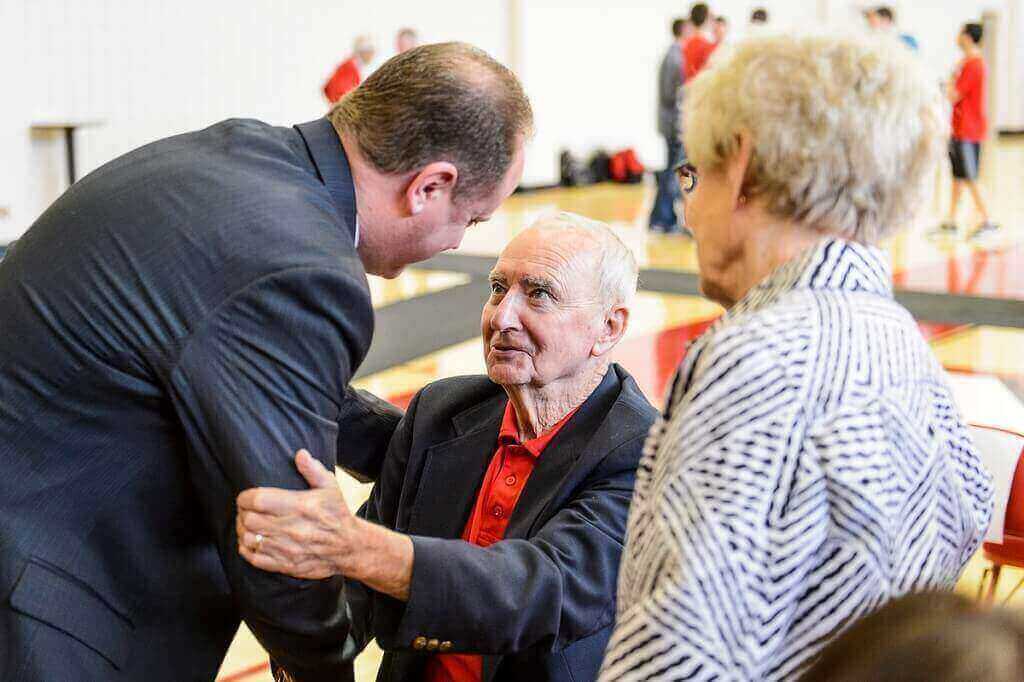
(968, 299)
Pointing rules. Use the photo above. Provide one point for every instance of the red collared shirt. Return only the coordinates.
(504, 482)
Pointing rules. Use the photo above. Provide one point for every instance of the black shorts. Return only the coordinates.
(964, 156)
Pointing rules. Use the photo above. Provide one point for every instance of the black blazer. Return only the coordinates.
(174, 327)
(540, 603)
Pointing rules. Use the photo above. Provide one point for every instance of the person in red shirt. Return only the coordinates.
(349, 73)
(503, 499)
(967, 92)
(698, 48)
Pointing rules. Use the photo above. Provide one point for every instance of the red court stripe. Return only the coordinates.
(245, 672)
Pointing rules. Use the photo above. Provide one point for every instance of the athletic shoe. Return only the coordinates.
(944, 229)
(986, 229)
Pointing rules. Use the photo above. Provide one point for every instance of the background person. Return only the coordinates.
(670, 94)
(532, 466)
(406, 39)
(970, 126)
(883, 19)
(349, 73)
(811, 462)
(698, 47)
(720, 30)
(181, 320)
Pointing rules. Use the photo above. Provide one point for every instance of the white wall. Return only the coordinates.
(151, 68)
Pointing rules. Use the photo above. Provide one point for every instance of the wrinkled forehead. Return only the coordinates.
(565, 255)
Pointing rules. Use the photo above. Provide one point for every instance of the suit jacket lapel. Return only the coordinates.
(560, 457)
(454, 470)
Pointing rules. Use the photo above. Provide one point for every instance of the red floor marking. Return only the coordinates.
(652, 359)
(245, 672)
(934, 331)
(401, 400)
(997, 273)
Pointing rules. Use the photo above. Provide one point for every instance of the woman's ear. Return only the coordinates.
(738, 165)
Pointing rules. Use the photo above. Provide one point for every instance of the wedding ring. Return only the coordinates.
(259, 541)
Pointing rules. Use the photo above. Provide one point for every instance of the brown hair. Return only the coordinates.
(933, 637)
(440, 102)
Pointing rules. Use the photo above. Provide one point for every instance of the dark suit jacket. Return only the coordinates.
(174, 327)
(540, 603)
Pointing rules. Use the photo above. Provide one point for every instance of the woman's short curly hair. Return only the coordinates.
(846, 131)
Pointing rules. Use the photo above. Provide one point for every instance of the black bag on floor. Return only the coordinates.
(599, 166)
(572, 173)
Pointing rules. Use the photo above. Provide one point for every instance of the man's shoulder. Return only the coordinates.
(449, 397)
(631, 398)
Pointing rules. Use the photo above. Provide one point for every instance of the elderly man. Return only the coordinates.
(178, 323)
(507, 494)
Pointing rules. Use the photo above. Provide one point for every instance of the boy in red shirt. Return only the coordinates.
(698, 48)
(970, 126)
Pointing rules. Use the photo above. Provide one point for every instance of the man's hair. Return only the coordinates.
(721, 20)
(699, 14)
(442, 102)
(677, 27)
(940, 637)
(407, 32)
(886, 13)
(617, 270)
(759, 16)
(974, 32)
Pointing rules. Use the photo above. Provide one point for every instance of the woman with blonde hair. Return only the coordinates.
(811, 463)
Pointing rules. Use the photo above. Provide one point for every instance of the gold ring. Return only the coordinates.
(259, 541)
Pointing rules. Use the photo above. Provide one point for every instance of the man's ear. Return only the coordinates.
(615, 323)
(434, 181)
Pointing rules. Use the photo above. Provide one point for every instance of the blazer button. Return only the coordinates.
(420, 643)
(445, 646)
(432, 645)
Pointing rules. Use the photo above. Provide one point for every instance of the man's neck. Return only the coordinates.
(538, 410)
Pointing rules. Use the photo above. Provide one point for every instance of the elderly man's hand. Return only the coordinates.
(302, 533)
(311, 534)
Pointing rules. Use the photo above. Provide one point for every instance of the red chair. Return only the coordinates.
(1002, 452)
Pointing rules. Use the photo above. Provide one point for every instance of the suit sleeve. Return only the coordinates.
(381, 508)
(565, 576)
(262, 376)
(367, 425)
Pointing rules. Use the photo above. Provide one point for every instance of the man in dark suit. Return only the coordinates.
(491, 542)
(182, 320)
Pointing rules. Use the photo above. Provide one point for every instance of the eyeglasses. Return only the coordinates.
(687, 176)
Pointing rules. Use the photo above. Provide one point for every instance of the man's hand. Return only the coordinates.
(311, 534)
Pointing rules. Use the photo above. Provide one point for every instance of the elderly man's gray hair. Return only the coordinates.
(618, 270)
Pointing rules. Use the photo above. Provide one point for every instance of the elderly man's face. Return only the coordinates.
(545, 312)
